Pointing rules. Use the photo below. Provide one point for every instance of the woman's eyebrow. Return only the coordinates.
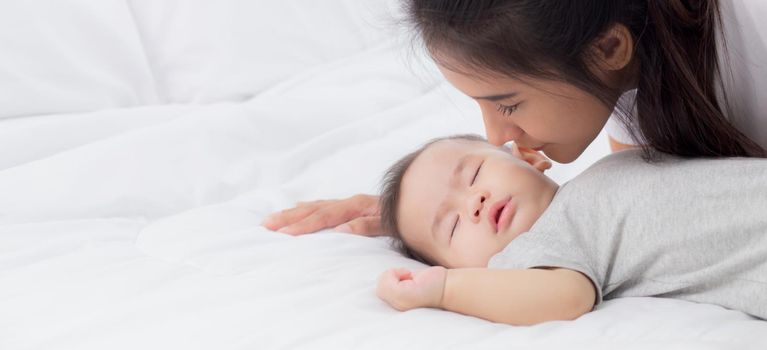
(496, 98)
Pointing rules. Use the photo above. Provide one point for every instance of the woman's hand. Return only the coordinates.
(404, 289)
(358, 214)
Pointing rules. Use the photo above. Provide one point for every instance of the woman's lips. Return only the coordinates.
(500, 214)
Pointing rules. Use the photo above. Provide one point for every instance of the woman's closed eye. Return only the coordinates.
(507, 110)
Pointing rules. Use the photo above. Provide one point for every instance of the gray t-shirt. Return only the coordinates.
(692, 229)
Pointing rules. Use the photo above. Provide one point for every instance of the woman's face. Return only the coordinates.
(556, 118)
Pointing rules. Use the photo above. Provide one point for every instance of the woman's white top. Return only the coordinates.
(744, 71)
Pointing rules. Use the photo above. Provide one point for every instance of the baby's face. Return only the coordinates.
(463, 201)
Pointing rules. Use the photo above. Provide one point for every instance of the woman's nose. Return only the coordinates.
(500, 132)
(475, 205)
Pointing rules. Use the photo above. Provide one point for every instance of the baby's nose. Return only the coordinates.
(476, 204)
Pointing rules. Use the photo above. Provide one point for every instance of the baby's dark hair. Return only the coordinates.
(390, 195)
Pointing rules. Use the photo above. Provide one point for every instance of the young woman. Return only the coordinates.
(684, 77)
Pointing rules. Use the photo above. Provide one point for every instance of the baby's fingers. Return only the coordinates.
(391, 281)
(387, 290)
(402, 274)
(386, 284)
(396, 287)
(392, 277)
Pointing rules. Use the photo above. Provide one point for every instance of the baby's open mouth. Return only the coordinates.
(498, 212)
(499, 215)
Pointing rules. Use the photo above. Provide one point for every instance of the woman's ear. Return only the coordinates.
(614, 49)
(534, 158)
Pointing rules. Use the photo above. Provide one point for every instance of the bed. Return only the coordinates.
(142, 142)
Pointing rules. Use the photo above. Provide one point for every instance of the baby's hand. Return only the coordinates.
(405, 290)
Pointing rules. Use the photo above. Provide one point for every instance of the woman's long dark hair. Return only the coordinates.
(675, 45)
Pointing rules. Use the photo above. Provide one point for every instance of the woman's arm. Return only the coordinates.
(518, 297)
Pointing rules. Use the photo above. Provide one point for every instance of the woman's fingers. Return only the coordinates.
(313, 203)
(331, 215)
(367, 204)
(366, 226)
(287, 217)
(313, 216)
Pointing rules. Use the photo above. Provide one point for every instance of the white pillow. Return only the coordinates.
(229, 50)
(70, 56)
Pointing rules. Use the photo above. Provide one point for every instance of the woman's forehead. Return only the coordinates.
(475, 82)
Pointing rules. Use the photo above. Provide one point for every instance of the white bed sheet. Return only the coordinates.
(139, 228)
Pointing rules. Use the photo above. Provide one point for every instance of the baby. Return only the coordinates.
(510, 245)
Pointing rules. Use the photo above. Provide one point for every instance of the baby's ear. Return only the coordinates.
(534, 158)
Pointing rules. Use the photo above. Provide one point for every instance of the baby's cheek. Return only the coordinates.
(489, 253)
(476, 258)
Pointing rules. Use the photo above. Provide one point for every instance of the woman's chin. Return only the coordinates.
(562, 156)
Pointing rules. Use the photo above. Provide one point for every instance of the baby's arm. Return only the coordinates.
(518, 297)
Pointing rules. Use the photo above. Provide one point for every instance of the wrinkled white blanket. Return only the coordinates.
(138, 227)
